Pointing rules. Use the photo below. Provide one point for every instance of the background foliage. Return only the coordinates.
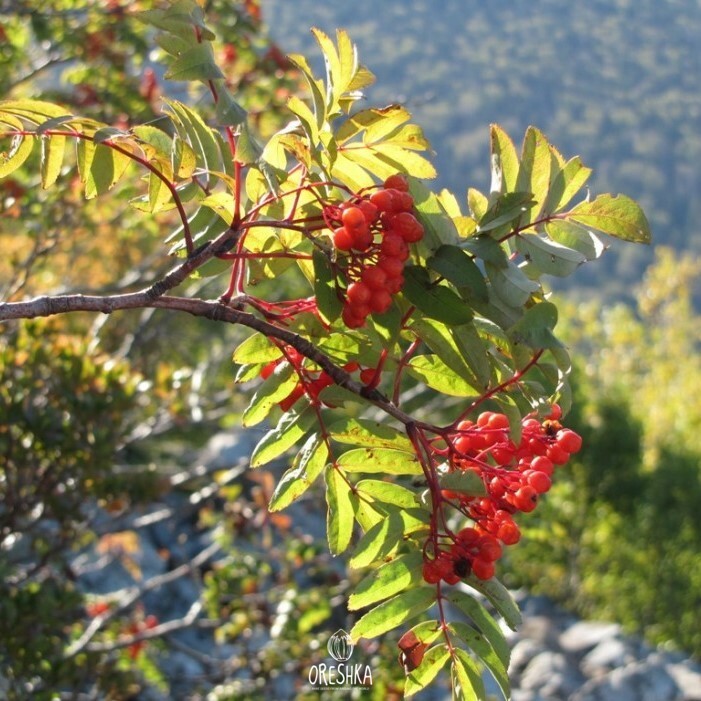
(630, 501)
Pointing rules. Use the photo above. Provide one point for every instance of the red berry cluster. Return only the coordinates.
(374, 234)
(311, 387)
(514, 476)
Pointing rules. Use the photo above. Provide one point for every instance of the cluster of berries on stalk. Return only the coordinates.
(514, 476)
(372, 235)
(312, 383)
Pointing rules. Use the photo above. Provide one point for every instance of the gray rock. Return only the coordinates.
(640, 681)
(552, 676)
(688, 679)
(225, 450)
(585, 635)
(522, 653)
(609, 654)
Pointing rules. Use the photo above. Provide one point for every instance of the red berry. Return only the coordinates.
(391, 265)
(526, 499)
(568, 440)
(555, 412)
(498, 421)
(367, 375)
(404, 202)
(350, 319)
(292, 397)
(394, 284)
(380, 302)
(483, 418)
(358, 293)
(406, 225)
(369, 210)
(397, 182)
(430, 572)
(342, 239)
(384, 200)
(508, 533)
(557, 454)
(489, 548)
(374, 277)
(268, 369)
(362, 239)
(483, 569)
(467, 537)
(464, 444)
(354, 219)
(539, 481)
(542, 463)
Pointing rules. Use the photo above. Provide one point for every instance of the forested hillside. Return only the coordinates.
(615, 81)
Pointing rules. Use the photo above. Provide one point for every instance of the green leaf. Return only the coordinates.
(549, 257)
(106, 168)
(387, 492)
(434, 373)
(256, 349)
(434, 300)
(34, 111)
(500, 597)
(159, 194)
(468, 482)
(441, 340)
(477, 203)
(308, 465)
(504, 161)
(273, 390)
(456, 266)
(315, 87)
(195, 64)
(535, 327)
(394, 612)
(52, 150)
(575, 236)
(182, 158)
(369, 434)
(565, 185)
(467, 678)
(487, 249)
(439, 227)
(483, 620)
(339, 517)
(511, 284)
(380, 541)
(397, 575)
(222, 203)
(477, 642)
(327, 299)
(433, 662)
(386, 461)
(378, 121)
(290, 429)
(228, 112)
(506, 209)
(537, 164)
(202, 138)
(615, 215)
(306, 118)
(20, 148)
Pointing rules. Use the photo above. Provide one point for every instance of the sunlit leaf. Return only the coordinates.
(370, 434)
(394, 612)
(383, 538)
(615, 215)
(307, 466)
(387, 461)
(397, 575)
(433, 662)
(340, 502)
